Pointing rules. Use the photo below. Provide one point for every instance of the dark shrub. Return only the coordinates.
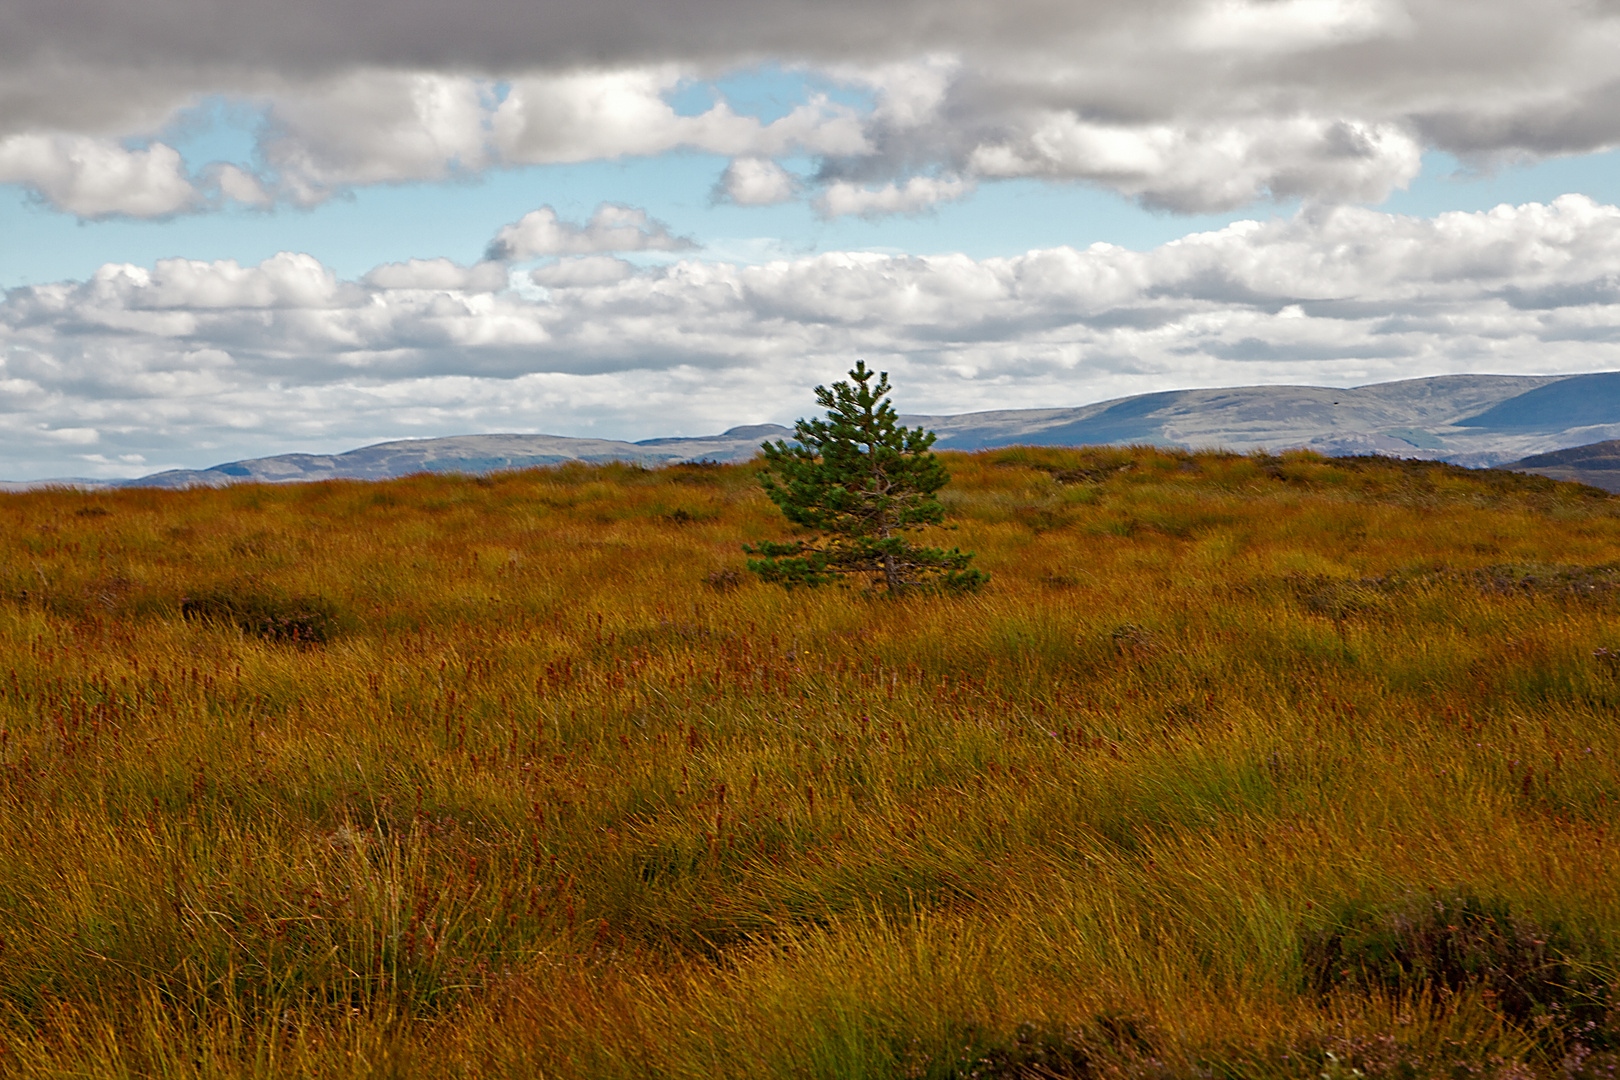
(1538, 975)
(267, 613)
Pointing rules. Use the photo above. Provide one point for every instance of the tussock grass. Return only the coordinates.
(520, 776)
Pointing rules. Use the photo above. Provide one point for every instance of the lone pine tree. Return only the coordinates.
(863, 482)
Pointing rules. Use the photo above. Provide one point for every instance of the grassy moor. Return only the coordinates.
(1240, 766)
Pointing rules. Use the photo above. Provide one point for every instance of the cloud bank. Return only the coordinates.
(1188, 105)
(166, 363)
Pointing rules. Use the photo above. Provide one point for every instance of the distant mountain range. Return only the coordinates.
(1467, 419)
(455, 454)
(1480, 420)
(466, 454)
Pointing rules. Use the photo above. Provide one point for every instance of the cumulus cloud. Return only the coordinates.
(441, 274)
(611, 228)
(753, 181)
(376, 127)
(585, 271)
(581, 116)
(288, 281)
(1213, 169)
(916, 194)
(249, 357)
(97, 177)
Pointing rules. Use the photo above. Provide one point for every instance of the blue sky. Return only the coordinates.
(215, 247)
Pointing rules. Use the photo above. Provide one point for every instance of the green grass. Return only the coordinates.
(539, 785)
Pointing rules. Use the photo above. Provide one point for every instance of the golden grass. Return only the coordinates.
(517, 776)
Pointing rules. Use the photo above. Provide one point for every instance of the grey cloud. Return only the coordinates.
(320, 36)
(1184, 104)
(1349, 309)
(1255, 349)
(1434, 324)
(1603, 290)
(1552, 123)
(1600, 335)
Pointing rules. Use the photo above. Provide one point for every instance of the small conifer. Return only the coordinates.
(863, 482)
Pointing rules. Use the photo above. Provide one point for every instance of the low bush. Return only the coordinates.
(267, 613)
(1540, 976)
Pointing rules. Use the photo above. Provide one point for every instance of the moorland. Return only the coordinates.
(1270, 766)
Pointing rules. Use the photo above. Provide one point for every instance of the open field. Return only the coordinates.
(1241, 766)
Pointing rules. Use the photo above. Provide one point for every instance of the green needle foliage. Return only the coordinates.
(864, 482)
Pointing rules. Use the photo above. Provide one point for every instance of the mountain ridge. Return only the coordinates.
(1431, 417)
(1476, 420)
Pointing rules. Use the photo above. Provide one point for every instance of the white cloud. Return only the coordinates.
(96, 177)
(441, 274)
(374, 127)
(288, 280)
(611, 228)
(916, 194)
(78, 436)
(1290, 26)
(753, 181)
(582, 272)
(583, 116)
(1213, 169)
(168, 360)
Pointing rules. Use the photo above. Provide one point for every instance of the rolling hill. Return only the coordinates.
(1475, 420)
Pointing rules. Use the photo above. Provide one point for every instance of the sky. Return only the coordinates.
(233, 229)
